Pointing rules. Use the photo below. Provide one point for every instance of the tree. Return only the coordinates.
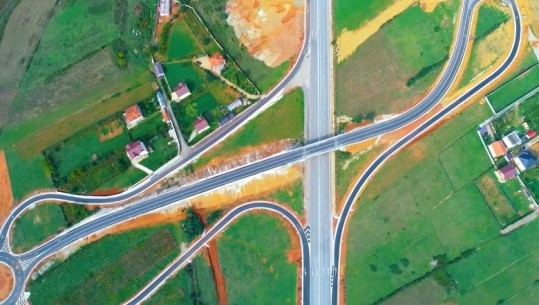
(192, 226)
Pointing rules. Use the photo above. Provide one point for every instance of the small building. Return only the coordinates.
(506, 172)
(158, 70)
(497, 149)
(164, 7)
(511, 140)
(166, 117)
(217, 62)
(136, 151)
(531, 134)
(526, 160)
(161, 100)
(235, 104)
(133, 116)
(201, 125)
(225, 119)
(180, 92)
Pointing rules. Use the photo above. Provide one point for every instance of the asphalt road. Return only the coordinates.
(361, 183)
(318, 178)
(186, 256)
(30, 259)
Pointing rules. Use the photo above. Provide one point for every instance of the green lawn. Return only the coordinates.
(284, 120)
(351, 14)
(531, 179)
(256, 246)
(183, 72)
(516, 88)
(123, 180)
(117, 266)
(396, 232)
(181, 44)
(164, 149)
(36, 225)
(196, 278)
(291, 196)
(27, 175)
(214, 16)
(500, 205)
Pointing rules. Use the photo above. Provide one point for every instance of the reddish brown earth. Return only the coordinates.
(6, 196)
(6, 281)
(218, 275)
(271, 30)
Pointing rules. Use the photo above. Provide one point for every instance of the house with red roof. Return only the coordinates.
(497, 149)
(133, 116)
(217, 62)
(201, 125)
(531, 134)
(506, 172)
(136, 151)
(180, 92)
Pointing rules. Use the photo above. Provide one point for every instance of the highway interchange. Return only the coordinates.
(23, 264)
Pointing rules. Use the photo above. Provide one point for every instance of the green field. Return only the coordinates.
(164, 149)
(263, 129)
(194, 279)
(353, 14)
(181, 44)
(117, 266)
(291, 196)
(36, 225)
(514, 89)
(123, 180)
(397, 233)
(214, 17)
(413, 45)
(256, 246)
(27, 175)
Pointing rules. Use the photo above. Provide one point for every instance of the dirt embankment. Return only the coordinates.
(349, 40)
(6, 281)
(271, 30)
(534, 15)
(220, 281)
(6, 195)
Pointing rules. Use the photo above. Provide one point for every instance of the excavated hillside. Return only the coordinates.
(271, 30)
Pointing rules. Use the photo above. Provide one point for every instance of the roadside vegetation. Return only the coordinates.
(407, 246)
(284, 120)
(261, 241)
(214, 16)
(117, 266)
(36, 225)
(194, 284)
(291, 196)
(514, 89)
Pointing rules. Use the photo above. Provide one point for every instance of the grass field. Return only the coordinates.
(261, 242)
(123, 180)
(396, 233)
(214, 16)
(491, 20)
(196, 278)
(263, 129)
(184, 72)
(353, 14)
(181, 44)
(398, 52)
(35, 225)
(27, 175)
(514, 89)
(117, 266)
(291, 196)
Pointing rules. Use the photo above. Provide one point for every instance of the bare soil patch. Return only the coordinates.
(6, 281)
(534, 14)
(110, 130)
(271, 30)
(220, 281)
(6, 196)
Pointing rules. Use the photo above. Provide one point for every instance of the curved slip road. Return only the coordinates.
(219, 227)
(371, 170)
(33, 257)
